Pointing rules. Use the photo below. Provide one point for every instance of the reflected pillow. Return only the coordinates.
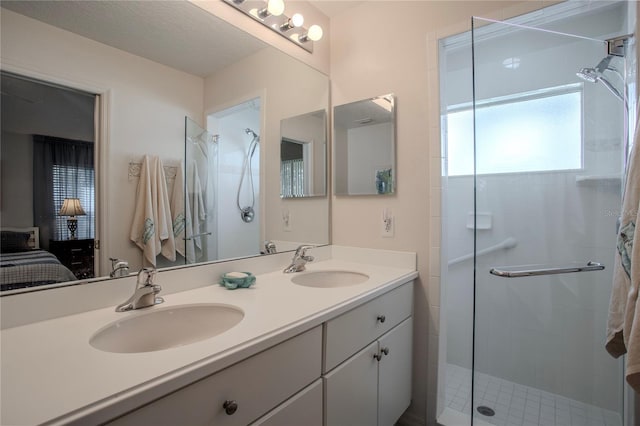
(11, 242)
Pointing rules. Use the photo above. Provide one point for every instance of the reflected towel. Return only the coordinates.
(152, 229)
(198, 212)
(164, 222)
(623, 327)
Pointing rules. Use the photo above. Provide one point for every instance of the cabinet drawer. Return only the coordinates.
(255, 385)
(350, 332)
(304, 408)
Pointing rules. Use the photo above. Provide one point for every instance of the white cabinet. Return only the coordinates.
(353, 370)
(394, 374)
(352, 391)
(240, 393)
(373, 386)
(348, 333)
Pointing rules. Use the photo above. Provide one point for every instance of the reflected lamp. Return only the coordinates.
(71, 207)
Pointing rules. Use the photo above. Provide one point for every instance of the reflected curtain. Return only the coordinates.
(62, 168)
(292, 178)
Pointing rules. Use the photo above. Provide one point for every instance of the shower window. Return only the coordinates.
(525, 132)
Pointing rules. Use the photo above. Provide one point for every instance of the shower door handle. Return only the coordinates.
(515, 272)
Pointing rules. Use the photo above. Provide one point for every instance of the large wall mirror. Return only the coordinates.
(364, 146)
(139, 68)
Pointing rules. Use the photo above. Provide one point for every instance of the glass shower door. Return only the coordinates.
(548, 156)
(199, 240)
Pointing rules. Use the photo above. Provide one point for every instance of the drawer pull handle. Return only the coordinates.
(385, 351)
(382, 318)
(230, 407)
(377, 357)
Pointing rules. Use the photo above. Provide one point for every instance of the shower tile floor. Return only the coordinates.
(519, 405)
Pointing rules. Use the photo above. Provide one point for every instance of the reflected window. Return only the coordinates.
(525, 132)
(292, 169)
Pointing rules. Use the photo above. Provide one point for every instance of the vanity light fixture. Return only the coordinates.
(271, 15)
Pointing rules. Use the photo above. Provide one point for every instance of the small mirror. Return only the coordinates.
(364, 146)
(303, 155)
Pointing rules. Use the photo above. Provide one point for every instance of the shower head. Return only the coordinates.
(588, 74)
(592, 74)
(251, 132)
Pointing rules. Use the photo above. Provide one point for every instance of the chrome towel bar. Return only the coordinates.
(197, 235)
(516, 272)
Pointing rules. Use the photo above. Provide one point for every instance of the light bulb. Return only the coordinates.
(297, 20)
(275, 7)
(315, 32)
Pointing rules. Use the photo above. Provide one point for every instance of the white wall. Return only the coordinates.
(16, 206)
(391, 47)
(148, 103)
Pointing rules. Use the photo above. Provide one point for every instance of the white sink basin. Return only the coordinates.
(166, 328)
(329, 279)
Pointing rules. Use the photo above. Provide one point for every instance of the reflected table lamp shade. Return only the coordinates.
(71, 207)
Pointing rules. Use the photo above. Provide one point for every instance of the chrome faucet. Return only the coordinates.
(299, 260)
(119, 268)
(270, 247)
(145, 294)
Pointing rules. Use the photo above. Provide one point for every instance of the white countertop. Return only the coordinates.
(50, 372)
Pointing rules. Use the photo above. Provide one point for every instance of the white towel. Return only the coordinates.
(164, 221)
(180, 212)
(623, 327)
(199, 212)
(152, 228)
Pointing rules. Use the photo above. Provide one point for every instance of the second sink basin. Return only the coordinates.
(329, 279)
(166, 328)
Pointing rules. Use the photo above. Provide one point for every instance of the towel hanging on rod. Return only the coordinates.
(135, 166)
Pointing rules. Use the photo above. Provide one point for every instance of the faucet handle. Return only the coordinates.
(302, 250)
(146, 274)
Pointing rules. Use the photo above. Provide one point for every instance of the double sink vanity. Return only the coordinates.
(327, 346)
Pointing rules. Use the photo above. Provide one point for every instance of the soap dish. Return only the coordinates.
(232, 281)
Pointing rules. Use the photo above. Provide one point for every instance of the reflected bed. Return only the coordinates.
(23, 264)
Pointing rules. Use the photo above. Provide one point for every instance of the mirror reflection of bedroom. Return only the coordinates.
(47, 183)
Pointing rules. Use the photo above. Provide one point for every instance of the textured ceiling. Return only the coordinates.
(333, 8)
(174, 33)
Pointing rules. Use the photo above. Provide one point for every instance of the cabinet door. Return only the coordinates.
(351, 391)
(304, 408)
(394, 377)
(352, 331)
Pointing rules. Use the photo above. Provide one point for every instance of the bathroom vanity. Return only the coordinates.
(327, 351)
